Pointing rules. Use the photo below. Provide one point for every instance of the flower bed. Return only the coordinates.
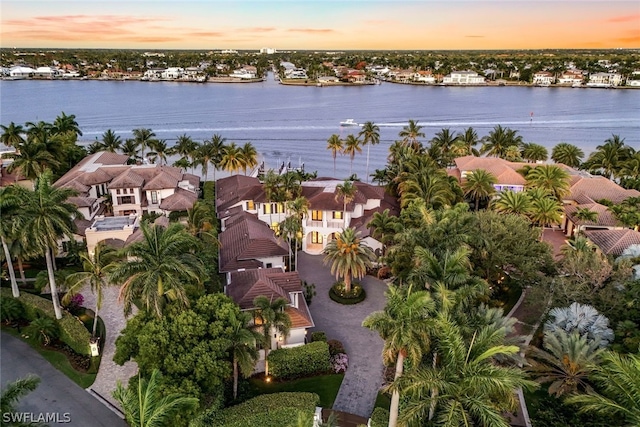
(338, 294)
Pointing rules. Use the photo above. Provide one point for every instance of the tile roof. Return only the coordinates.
(81, 226)
(82, 202)
(246, 240)
(300, 317)
(599, 187)
(505, 172)
(236, 188)
(160, 181)
(127, 179)
(613, 242)
(180, 200)
(78, 186)
(605, 216)
(108, 158)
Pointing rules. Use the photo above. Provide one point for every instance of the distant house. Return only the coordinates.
(356, 76)
(505, 172)
(604, 80)
(172, 73)
(571, 78)
(543, 78)
(463, 78)
(424, 77)
(21, 72)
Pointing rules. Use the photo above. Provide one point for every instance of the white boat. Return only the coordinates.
(349, 122)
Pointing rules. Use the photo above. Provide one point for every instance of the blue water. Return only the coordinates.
(294, 123)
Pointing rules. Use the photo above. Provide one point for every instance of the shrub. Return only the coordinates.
(11, 309)
(302, 361)
(318, 336)
(339, 363)
(338, 294)
(74, 304)
(309, 291)
(43, 330)
(72, 331)
(335, 347)
(379, 418)
(267, 410)
(209, 192)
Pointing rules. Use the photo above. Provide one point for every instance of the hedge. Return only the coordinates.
(209, 192)
(302, 361)
(347, 301)
(72, 331)
(267, 410)
(379, 418)
(318, 336)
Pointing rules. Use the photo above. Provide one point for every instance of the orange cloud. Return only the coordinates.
(205, 34)
(625, 18)
(256, 30)
(143, 39)
(311, 30)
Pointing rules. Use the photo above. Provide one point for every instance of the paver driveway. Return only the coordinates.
(364, 377)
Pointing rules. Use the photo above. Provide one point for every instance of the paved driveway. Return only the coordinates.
(56, 393)
(364, 377)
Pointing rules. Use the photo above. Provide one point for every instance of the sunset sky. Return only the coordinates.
(327, 25)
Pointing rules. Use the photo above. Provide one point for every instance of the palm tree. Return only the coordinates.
(384, 227)
(144, 405)
(442, 146)
(217, 146)
(550, 178)
(249, 156)
(232, 159)
(499, 140)
(47, 216)
(205, 155)
(201, 222)
(586, 215)
(479, 185)
(465, 386)
(158, 268)
(298, 208)
(142, 137)
(351, 147)
(130, 148)
(370, 134)
(96, 269)
(567, 154)
(465, 143)
(349, 256)
(111, 141)
(404, 327)
(433, 188)
(32, 160)
(510, 202)
(335, 145)
(242, 346)
(10, 213)
(410, 133)
(270, 315)
(618, 378)
(185, 147)
(534, 152)
(12, 135)
(631, 167)
(610, 156)
(13, 392)
(159, 150)
(66, 124)
(546, 211)
(345, 192)
(566, 361)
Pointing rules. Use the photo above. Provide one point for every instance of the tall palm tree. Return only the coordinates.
(546, 211)
(249, 156)
(158, 268)
(352, 145)
(130, 148)
(499, 140)
(370, 134)
(465, 143)
(204, 156)
(96, 269)
(46, 217)
(631, 167)
(298, 208)
(12, 135)
(142, 136)
(111, 141)
(159, 150)
(384, 227)
(271, 316)
(32, 160)
(479, 185)
(534, 152)
(410, 133)
(567, 154)
(201, 222)
(217, 145)
(618, 378)
(345, 192)
(610, 156)
(242, 346)
(39, 131)
(144, 405)
(550, 178)
(404, 327)
(511, 202)
(465, 386)
(442, 146)
(232, 159)
(335, 145)
(586, 215)
(185, 147)
(566, 361)
(66, 124)
(10, 213)
(349, 256)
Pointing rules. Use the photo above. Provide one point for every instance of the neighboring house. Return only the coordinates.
(21, 72)
(505, 172)
(586, 188)
(274, 283)
(463, 78)
(356, 76)
(154, 73)
(613, 242)
(424, 77)
(172, 73)
(604, 79)
(543, 78)
(116, 230)
(605, 219)
(570, 78)
(328, 79)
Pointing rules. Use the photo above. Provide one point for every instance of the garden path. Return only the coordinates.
(364, 377)
(113, 317)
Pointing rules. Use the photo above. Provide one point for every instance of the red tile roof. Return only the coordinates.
(613, 242)
(127, 179)
(181, 200)
(605, 216)
(599, 187)
(236, 188)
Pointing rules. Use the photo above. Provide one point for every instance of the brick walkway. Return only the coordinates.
(556, 239)
(114, 321)
(364, 377)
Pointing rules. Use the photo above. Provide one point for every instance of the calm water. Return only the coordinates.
(294, 123)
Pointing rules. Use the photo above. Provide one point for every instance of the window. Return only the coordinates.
(154, 197)
(316, 237)
(118, 191)
(269, 265)
(125, 200)
(250, 205)
(316, 215)
(266, 208)
(280, 208)
(337, 214)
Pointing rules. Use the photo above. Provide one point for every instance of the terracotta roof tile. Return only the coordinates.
(82, 202)
(505, 172)
(599, 187)
(180, 200)
(127, 179)
(613, 242)
(236, 188)
(605, 216)
(244, 286)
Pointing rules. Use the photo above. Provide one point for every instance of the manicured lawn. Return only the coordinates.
(58, 360)
(325, 386)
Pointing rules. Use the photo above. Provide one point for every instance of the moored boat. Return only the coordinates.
(349, 122)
